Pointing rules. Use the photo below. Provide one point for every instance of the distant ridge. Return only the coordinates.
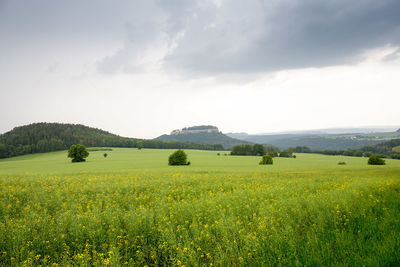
(322, 139)
(203, 134)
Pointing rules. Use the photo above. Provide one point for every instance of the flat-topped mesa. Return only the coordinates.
(196, 129)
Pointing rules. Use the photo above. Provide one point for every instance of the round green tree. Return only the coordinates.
(266, 160)
(376, 160)
(179, 157)
(78, 153)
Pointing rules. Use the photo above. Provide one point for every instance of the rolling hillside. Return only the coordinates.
(46, 137)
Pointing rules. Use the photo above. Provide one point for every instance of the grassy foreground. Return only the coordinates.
(131, 208)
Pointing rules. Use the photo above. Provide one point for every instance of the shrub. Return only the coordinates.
(266, 159)
(105, 155)
(375, 160)
(78, 153)
(395, 156)
(341, 163)
(285, 154)
(178, 158)
(139, 145)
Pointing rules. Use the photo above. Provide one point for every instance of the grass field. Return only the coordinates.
(132, 208)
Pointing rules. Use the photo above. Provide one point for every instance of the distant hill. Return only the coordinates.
(45, 137)
(387, 148)
(333, 131)
(203, 135)
(320, 141)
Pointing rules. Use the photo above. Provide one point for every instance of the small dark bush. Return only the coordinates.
(375, 160)
(178, 158)
(105, 155)
(341, 163)
(266, 160)
(294, 156)
(218, 154)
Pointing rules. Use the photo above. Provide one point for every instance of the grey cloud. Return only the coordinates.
(274, 35)
(201, 37)
(257, 36)
(395, 55)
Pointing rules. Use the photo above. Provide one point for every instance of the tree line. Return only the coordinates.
(260, 150)
(46, 137)
(383, 150)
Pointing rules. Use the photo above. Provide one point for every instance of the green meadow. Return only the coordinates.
(131, 208)
(121, 160)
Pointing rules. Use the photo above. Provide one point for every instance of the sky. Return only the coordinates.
(144, 68)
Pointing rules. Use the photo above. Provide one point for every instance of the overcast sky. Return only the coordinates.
(144, 68)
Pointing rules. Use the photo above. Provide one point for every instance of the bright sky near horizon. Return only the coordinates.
(144, 68)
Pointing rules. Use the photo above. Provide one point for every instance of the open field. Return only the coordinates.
(131, 207)
(153, 160)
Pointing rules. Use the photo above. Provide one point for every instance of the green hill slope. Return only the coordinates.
(387, 148)
(46, 137)
(204, 138)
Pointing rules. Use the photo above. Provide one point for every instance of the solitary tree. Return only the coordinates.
(376, 160)
(179, 157)
(78, 153)
(266, 160)
(139, 144)
(105, 155)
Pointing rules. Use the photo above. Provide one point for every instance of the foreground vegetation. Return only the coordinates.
(303, 211)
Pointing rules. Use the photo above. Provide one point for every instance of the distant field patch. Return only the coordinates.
(396, 149)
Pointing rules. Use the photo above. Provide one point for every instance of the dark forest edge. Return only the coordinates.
(47, 137)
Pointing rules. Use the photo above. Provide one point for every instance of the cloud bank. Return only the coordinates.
(208, 37)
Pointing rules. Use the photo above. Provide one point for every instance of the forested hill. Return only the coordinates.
(204, 138)
(387, 148)
(46, 137)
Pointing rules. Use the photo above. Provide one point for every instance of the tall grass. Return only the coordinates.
(315, 218)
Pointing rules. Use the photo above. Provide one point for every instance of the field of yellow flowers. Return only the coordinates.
(319, 217)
